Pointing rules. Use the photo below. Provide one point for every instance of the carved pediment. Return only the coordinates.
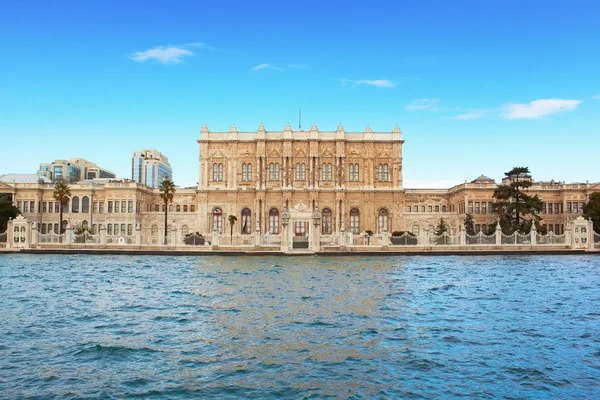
(327, 153)
(218, 154)
(274, 153)
(300, 153)
(354, 152)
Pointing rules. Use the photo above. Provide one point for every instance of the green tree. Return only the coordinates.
(7, 211)
(62, 194)
(441, 228)
(232, 218)
(515, 208)
(592, 210)
(167, 190)
(469, 225)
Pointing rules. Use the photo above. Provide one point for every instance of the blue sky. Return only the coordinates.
(477, 87)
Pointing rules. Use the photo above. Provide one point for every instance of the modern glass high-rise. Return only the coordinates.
(73, 170)
(149, 167)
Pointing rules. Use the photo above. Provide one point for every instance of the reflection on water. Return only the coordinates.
(227, 327)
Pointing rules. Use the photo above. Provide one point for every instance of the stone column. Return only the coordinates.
(590, 232)
(215, 237)
(34, 235)
(568, 235)
(385, 240)
(103, 235)
(257, 232)
(463, 236)
(10, 234)
(68, 236)
(533, 234)
(138, 235)
(310, 169)
(498, 234)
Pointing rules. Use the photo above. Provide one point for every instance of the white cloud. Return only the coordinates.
(423, 104)
(538, 108)
(596, 97)
(470, 115)
(296, 66)
(376, 82)
(266, 66)
(162, 54)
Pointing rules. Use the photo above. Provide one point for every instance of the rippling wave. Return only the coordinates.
(313, 327)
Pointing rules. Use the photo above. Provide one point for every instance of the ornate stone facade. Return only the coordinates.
(271, 179)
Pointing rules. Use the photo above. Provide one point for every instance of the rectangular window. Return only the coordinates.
(556, 208)
(557, 229)
(117, 205)
(575, 207)
(101, 207)
(25, 206)
(32, 206)
(543, 208)
(56, 208)
(130, 206)
(44, 207)
(355, 224)
(476, 207)
(568, 207)
(95, 208)
(110, 207)
(123, 206)
(470, 208)
(581, 204)
(109, 229)
(484, 207)
(551, 228)
(138, 207)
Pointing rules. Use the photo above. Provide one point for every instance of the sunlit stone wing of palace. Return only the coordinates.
(305, 190)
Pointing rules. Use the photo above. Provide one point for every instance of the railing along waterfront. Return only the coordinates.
(550, 238)
(596, 240)
(86, 238)
(480, 238)
(444, 239)
(51, 238)
(3, 237)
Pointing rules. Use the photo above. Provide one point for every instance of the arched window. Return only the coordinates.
(407, 209)
(43, 229)
(185, 230)
(85, 204)
(109, 229)
(354, 221)
(274, 221)
(185, 208)
(55, 228)
(123, 229)
(300, 171)
(443, 208)
(274, 171)
(218, 220)
(416, 209)
(326, 172)
(129, 229)
(246, 172)
(192, 208)
(154, 230)
(246, 221)
(84, 224)
(218, 172)
(171, 208)
(156, 207)
(429, 208)
(327, 221)
(382, 173)
(437, 208)
(422, 208)
(178, 208)
(484, 228)
(415, 230)
(354, 175)
(382, 220)
(75, 204)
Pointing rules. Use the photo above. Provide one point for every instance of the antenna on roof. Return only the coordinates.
(300, 118)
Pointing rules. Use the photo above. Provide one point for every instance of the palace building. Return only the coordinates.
(274, 182)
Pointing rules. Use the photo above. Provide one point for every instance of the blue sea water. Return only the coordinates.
(290, 327)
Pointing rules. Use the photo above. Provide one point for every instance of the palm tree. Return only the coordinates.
(232, 218)
(167, 190)
(62, 194)
(369, 233)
